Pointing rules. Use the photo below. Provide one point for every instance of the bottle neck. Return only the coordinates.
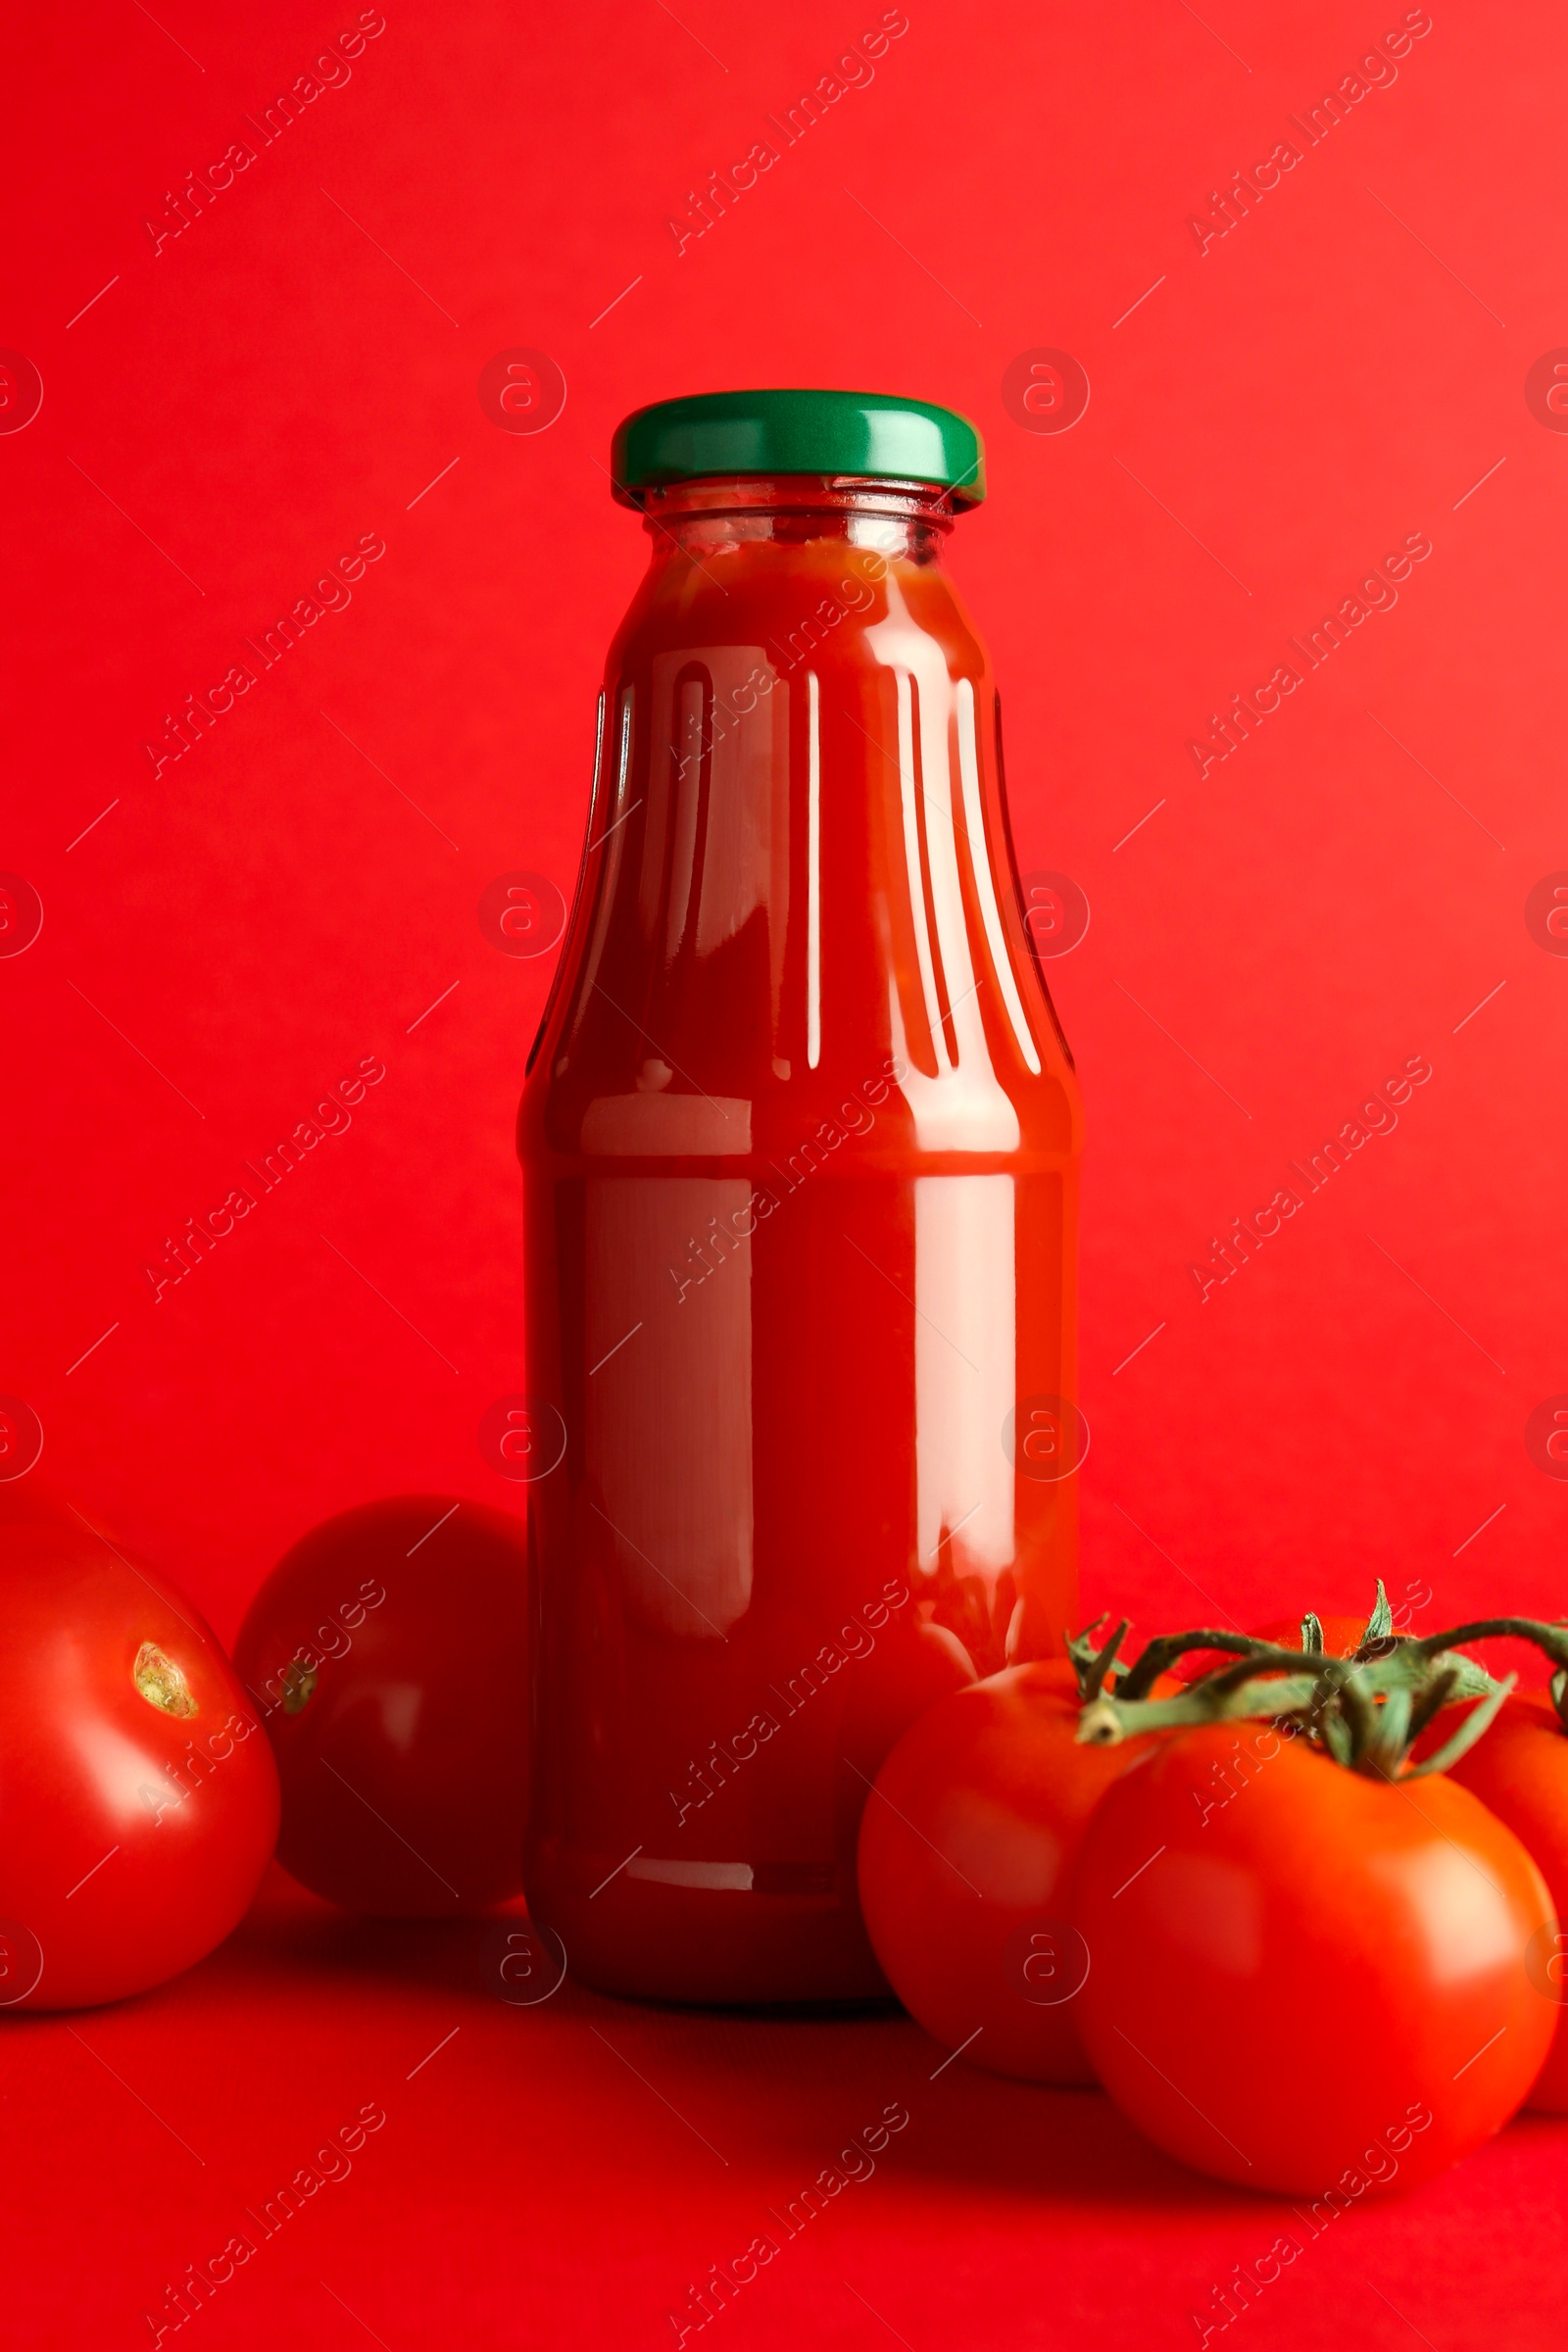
(907, 520)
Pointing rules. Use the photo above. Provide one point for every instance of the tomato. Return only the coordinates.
(138, 1800)
(1519, 1770)
(964, 1848)
(1307, 1979)
(388, 1654)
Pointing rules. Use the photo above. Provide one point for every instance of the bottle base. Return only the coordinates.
(732, 1945)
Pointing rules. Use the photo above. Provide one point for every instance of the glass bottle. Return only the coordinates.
(801, 1139)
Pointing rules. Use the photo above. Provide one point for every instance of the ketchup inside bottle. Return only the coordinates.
(799, 1138)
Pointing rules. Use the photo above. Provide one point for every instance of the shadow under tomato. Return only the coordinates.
(289, 1929)
(782, 2090)
(1069, 2145)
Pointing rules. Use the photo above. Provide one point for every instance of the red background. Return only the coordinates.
(294, 370)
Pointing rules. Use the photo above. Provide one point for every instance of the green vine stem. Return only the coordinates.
(1098, 1668)
(1158, 1656)
(1364, 1713)
(1553, 1640)
(1263, 1681)
(1378, 1640)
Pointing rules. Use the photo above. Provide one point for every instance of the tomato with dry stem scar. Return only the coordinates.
(1249, 1888)
(138, 1800)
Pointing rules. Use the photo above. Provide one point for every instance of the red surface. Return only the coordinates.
(1283, 409)
(531, 2186)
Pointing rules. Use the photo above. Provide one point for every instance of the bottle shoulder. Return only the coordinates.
(798, 874)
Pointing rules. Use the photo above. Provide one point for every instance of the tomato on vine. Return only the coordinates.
(966, 1844)
(1520, 1771)
(1253, 1889)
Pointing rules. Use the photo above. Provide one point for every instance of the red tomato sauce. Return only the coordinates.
(801, 1139)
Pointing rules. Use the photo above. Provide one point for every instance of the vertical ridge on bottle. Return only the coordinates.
(589, 845)
(688, 843)
(985, 886)
(609, 875)
(814, 873)
(915, 867)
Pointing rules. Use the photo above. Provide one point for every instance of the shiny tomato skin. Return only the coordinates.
(136, 1818)
(965, 1847)
(1286, 1982)
(403, 1748)
(1519, 1770)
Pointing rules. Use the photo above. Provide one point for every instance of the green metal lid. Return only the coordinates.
(783, 432)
